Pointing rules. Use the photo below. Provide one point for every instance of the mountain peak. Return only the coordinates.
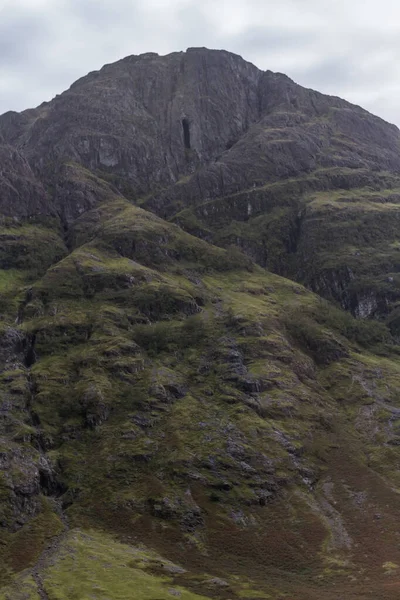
(199, 338)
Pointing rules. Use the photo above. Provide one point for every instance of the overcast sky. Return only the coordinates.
(349, 48)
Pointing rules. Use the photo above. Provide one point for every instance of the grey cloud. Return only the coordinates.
(20, 37)
(335, 73)
(95, 14)
(265, 38)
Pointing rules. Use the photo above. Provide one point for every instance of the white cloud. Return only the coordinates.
(350, 49)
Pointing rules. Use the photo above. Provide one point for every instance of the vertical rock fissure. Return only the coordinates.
(29, 347)
(49, 483)
(186, 133)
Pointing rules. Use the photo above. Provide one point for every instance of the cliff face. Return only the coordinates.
(161, 382)
(149, 121)
(232, 154)
(145, 120)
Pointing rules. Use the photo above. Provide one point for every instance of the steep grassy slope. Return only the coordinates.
(341, 243)
(175, 394)
(331, 225)
(326, 216)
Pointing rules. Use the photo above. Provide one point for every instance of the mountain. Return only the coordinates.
(199, 339)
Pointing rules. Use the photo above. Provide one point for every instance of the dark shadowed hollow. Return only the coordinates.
(186, 133)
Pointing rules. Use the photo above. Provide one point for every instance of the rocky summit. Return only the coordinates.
(199, 339)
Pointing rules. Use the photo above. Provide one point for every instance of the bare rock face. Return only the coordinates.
(148, 122)
(21, 193)
(298, 132)
(147, 119)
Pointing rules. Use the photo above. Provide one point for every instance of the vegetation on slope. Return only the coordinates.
(175, 419)
(341, 243)
(174, 393)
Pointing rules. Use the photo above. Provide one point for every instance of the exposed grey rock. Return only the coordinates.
(21, 193)
(132, 120)
(217, 582)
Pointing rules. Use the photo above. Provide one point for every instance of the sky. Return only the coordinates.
(348, 48)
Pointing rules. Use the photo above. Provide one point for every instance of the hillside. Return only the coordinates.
(199, 339)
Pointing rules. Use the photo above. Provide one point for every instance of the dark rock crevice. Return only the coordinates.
(43, 477)
(49, 482)
(29, 350)
(50, 485)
